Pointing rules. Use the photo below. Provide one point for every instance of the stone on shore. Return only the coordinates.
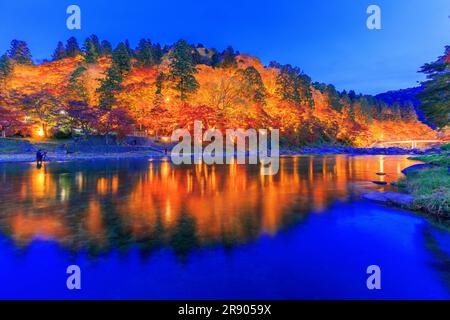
(416, 167)
(391, 198)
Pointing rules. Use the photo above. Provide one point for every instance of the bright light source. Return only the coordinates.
(165, 139)
(40, 132)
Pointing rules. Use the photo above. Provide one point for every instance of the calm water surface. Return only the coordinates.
(149, 229)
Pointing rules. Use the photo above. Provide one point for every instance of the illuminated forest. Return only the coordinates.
(151, 90)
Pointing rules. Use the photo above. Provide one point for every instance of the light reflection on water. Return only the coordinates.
(101, 205)
(143, 229)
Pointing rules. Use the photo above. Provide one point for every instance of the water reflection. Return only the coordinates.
(100, 205)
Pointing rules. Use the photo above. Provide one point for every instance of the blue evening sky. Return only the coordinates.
(328, 39)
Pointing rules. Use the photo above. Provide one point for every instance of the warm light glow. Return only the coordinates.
(165, 139)
(40, 132)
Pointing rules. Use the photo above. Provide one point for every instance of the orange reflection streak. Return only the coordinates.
(233, 202)
(26, 227)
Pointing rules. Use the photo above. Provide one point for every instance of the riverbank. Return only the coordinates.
(20, 150)
(426, 188)
(31, 157)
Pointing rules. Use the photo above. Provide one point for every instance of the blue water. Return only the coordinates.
(322, 255)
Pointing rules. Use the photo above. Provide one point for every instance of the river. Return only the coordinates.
(147, 229)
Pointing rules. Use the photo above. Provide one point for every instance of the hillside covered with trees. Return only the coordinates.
(151, 90)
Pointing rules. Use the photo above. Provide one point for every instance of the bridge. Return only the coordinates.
(414, 143)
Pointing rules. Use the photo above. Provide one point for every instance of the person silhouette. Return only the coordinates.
(39, 157)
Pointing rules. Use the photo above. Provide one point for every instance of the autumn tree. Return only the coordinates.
(60, 52)
(72, 47)
(20, 53)
(138, 99)
(43, 107)
(9, 121)
(80, 115)
(115, 120)
(396, 113)
(436, 95)
(158, 118)
(182, 70)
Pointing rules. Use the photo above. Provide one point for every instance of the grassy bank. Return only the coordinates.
(431, 186)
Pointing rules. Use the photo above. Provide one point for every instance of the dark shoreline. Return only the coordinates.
(151, 154)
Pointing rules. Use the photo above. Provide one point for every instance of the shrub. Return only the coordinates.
(431, 190)
(446, 147)
(436, 159)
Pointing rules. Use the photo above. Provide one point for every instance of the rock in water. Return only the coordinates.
(381, 183)
(395, 198)
(416, 167)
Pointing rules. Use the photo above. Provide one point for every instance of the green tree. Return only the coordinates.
(96, 42)
(77, 88)
(215, 59)
(333, 97)
(60, 52)
(436, 95)
(106, 48)
(286, 84)
(110, 87)
(6, 67)
(294, 86)
(157, 53)
(128, 46)
(20, 53)
(72, 47)
(144, 53)
(159, 83)
(254, 86)
(90, 51)
(182, 70)
(121, 59)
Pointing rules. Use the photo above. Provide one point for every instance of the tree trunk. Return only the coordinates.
(44, 130)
